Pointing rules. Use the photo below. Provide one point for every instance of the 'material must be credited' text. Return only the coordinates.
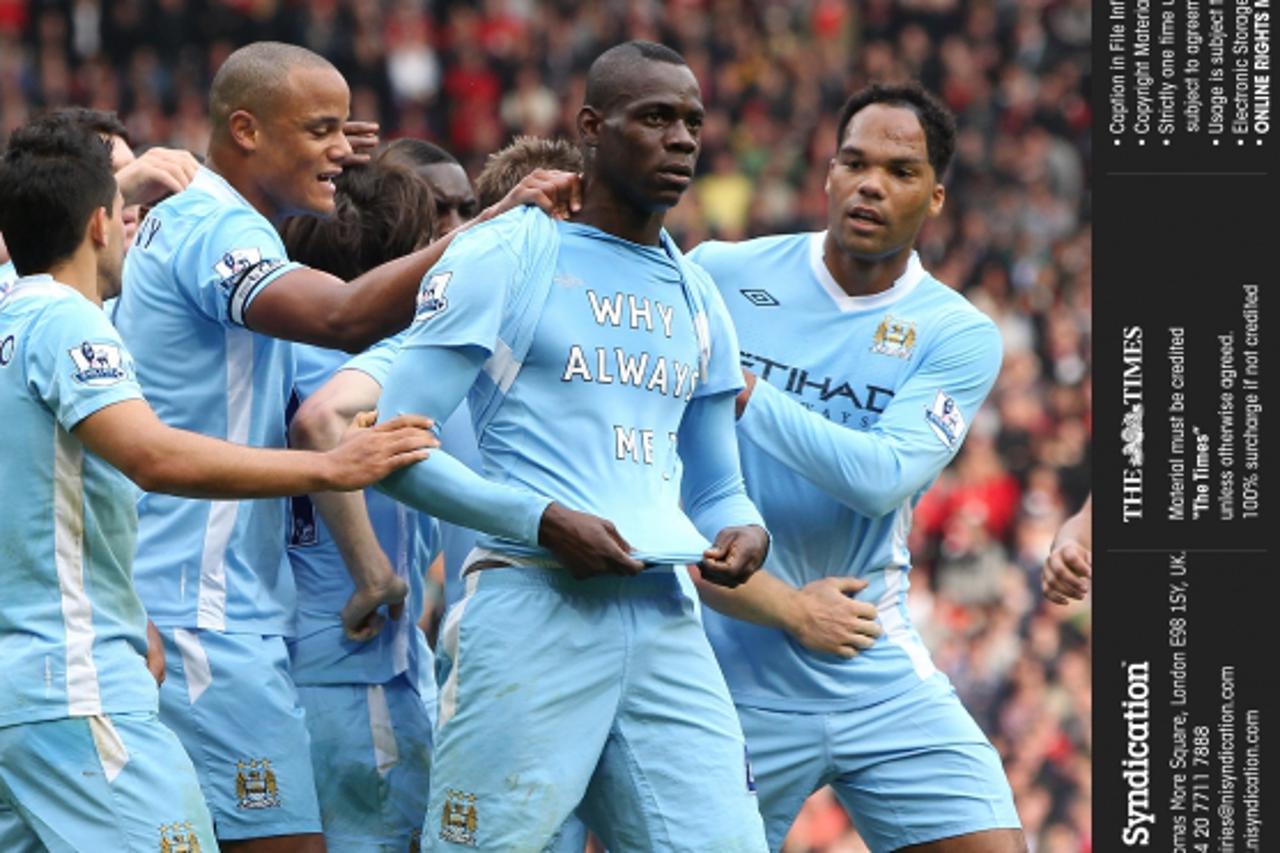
(1210, 458)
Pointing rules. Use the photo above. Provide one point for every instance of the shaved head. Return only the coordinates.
(256, 75)
(609, 77)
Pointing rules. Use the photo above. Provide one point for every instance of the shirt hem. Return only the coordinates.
(263, 629)
(47, 715)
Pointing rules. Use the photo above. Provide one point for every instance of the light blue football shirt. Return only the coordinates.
(592, 417)
(319, 652)
(197, 262)
(72, 629)
(860, 402)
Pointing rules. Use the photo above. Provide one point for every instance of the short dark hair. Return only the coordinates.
(253, 76)
(607, 76)
(416, 153)
(55, 173)
(382, 211)
(506, 168)
(938, 123)
(99, 121)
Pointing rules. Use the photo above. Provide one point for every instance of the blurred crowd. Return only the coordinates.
(1014, 237)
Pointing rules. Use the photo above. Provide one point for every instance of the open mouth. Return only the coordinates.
(866, 215)
(327, 178)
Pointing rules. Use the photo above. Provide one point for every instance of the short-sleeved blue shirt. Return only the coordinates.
(72, 630)
(198, 261)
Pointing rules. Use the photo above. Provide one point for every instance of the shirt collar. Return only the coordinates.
(905, 283)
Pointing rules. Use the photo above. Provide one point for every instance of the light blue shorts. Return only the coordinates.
(371, 750)
(911, 769)
(118, 782)
(232, 702)
(603, 692)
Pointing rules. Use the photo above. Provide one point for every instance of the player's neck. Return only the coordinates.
(864, 276)
(602, 209)
(80, 272)
(231, 170)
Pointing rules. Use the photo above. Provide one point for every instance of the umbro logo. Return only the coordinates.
(760, 298)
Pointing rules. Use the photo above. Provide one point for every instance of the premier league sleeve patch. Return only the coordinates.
(97, 365)
(431, 298)
(946, 420)
(235, 262)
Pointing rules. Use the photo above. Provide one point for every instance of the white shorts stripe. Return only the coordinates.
(83, 695)
(111, 749)
(386, 754)
(195, 663)
(448, 703)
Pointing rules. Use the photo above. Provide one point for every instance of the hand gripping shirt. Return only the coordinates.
(319, 652)
(198, 261)
(860, 403)
(72, 630)
(591, 417)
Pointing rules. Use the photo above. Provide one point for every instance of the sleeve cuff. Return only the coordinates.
(92, 405)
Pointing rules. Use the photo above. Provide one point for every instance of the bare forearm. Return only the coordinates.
(346, 516)
(763, 600)
(197, 466)
(1078, 528)
(313, 307)
(381, 302)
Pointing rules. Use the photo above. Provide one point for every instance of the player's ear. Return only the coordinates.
(242, 127)
(96, 231)
(831, 167)
(589, 121)
(939, 197)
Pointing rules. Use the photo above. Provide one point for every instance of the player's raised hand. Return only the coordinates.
(363, 138)
(362, 617)
(735, 555)
(368, 453)
(828, 619)
(557, 193)
(1067, 573)
(585, 544)
(157, 173)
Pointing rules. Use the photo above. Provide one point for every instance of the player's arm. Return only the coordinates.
(445, 488)
(159, 458)
(918, 433)
(822, 615)
(713, 493)
(319, 425)
(314, 307)
(1068, 571)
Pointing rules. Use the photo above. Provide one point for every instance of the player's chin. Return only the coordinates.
(666, 194)
(870, 247)
(321, 206)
